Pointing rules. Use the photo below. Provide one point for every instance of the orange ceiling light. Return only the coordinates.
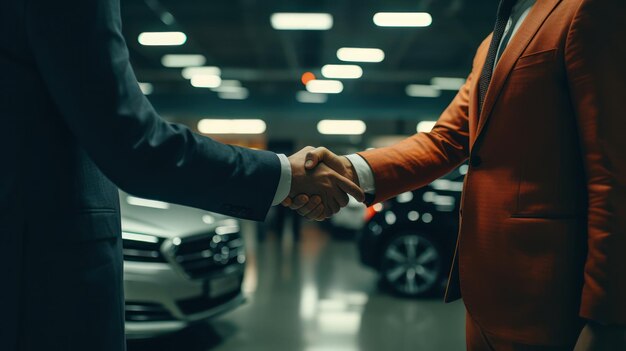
(307, 77)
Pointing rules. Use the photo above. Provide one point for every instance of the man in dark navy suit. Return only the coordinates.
(75, 126)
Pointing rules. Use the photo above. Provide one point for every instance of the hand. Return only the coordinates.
(597, 337)
(311, 207)
(328, 190)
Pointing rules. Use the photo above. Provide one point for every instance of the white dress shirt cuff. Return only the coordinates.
(364, 173)
(284, 184)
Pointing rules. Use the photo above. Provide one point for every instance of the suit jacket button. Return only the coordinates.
(476, 161)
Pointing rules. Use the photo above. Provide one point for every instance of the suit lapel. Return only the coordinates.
(537, 16)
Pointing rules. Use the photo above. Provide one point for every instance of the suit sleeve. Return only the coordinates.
(595, 61)
(424, 157)
(84, 63)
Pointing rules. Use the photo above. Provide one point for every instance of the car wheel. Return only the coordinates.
(412, 265)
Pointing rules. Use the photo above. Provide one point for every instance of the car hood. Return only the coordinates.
(168, 220)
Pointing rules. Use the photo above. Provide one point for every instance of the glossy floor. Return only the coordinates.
(312, 294)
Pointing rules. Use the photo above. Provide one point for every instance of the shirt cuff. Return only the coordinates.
(284, 184)
(364, 173)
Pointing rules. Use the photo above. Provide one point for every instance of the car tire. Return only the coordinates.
(412, 265)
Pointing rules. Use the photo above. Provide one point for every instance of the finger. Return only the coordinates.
(350, 188)
(310, 206)
(315, 156)
(316, 213)
(299, 201)
(286, 202)
(332, 206)
(341, 197)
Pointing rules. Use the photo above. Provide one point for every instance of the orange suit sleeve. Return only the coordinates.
(423, 157)
(595, 57)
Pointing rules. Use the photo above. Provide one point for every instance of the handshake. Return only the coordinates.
(321, 182)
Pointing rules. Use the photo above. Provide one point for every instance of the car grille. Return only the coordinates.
(147, 312)
(203, 303)
(202, 256)
(143, 252)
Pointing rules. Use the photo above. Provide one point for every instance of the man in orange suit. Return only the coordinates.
(541, 255)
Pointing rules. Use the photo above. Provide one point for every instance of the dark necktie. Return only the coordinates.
(504, 12)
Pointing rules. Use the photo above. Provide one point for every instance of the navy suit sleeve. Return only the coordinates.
(83, 61)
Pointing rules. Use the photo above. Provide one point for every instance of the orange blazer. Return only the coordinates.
(542, 239)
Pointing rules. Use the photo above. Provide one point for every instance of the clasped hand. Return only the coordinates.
(321, 183)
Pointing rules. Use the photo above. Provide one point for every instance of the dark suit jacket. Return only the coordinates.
(543, 221)
(74, 125)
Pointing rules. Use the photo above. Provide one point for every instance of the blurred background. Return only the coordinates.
(281, 75)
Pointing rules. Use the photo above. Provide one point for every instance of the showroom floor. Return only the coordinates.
(314, 295)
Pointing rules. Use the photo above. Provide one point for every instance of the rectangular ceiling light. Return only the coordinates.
(183, 60)
(146, 88)
(233, 93)
(447, 83)
(206, 81)
(403, 19)
(301, 21)
(425, 126)
(319, 86)
(232, 126)
(309, 98)
(419, 90)
(162, 38)
(360, 55)
(342, 71)
(190, 72)
(341, 127)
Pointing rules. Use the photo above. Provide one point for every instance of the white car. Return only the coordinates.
(351, 217)
(181, 265)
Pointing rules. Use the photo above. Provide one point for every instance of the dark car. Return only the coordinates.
(410, 239)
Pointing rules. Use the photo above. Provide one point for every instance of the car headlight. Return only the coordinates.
(140, 247)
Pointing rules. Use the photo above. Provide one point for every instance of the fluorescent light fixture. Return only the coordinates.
(206, 81)
(342, 71)
(234, 94)
(341, 127)
(190, 72)
(162, 38)
(319, 86)
(360, 55)
(140, 237)
(448, 83)
(419, 90)
(301, 21)
(425, 126)
(232, 126)
(309, 98)
(183, 60)
(136, 201)
(403, 19)
(146, 88)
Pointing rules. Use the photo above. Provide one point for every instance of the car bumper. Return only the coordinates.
(174, 300)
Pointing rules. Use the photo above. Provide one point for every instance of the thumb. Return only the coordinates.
(322, 154)
(313, 158)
